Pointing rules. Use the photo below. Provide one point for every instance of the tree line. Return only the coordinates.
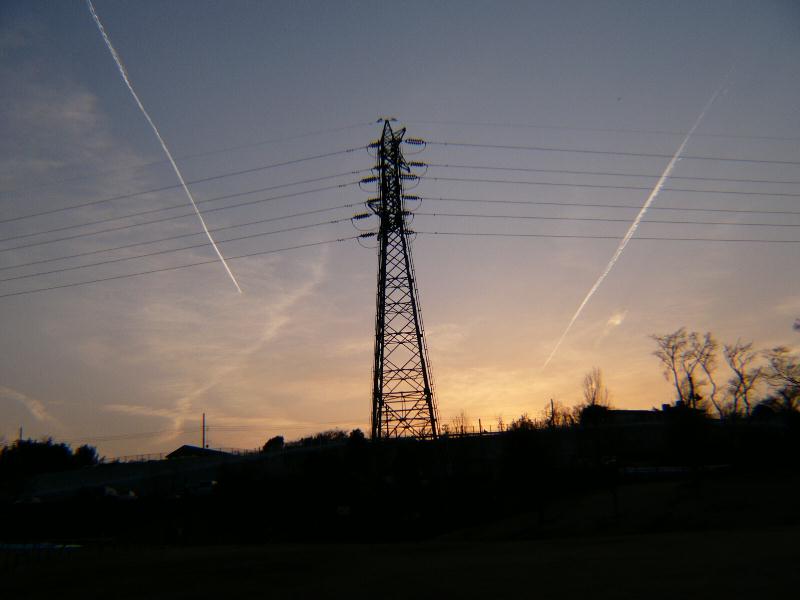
(729, 381)
(29, 457)
(732, 380)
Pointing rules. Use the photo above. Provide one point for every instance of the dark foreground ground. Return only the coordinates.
(729, 537)
(710, 564)
(473, 518)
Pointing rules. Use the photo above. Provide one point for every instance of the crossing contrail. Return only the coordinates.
(127, 81)
(636, 221)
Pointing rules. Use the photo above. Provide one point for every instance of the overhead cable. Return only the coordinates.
(209, 210)
(182, 205)
(609, 173)
(172, 250)
(605, 130)
(175, 268)
(189, 157)
(177, 186)
(602, 237)
(601, 219)
(610, 187)
(175, 237)
(609, 152)
(615, 206)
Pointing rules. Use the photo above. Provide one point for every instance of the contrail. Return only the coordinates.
(637, 220)
(125, 78)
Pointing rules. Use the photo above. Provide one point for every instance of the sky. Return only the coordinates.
(130, 364)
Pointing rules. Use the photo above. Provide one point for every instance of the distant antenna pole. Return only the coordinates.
(402, 394)
(204, 431)
(19, 439)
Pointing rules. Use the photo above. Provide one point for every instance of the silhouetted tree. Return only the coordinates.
(29, 457)
(557, 415)
(273, 444)
(86, 456)
(699, 353)
(708, 364)
(523, 423)
(595, 392)
(783, 375)
(356, 440)
(324, 438)
(683, 355)
(741, 358)
(460, 423)
(671, 347)
(594, 408)
(500, 423)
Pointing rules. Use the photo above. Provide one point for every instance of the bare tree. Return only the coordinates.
(683, 355)
(555, 414)
(699, 352)
(671, 347)
(707, 359)
(783, 375)
(741, 358)
(461, 422)
(500, 424)
(595, 392)
(523, 423)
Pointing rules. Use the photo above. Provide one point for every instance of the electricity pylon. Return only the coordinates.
(402, 394)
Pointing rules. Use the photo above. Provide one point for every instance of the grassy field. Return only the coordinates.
(742, 564)
(723, 537)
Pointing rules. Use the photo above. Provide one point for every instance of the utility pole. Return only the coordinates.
(204, 431)
(402, 394)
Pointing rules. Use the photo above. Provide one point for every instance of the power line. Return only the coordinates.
(235, 428)
(189, 156)
(607, 130)
(336, 221)
(182, 205)
(610, 173)
(610, 187)
(615, 206)
(602, 219)
(175, 237)
(600, 237)
(218, 428)
(127, 436)
(175, 268)
(172, 187)
(171, 250)
(210, 210)
(609, 152)
(431, 178)
(316, 179)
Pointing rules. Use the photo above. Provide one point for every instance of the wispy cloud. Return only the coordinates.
(614, 321)
(230, 348)
(35, 407)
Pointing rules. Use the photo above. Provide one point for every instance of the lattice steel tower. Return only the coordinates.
(402, 395)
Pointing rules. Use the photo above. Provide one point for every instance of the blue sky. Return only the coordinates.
(293, 353)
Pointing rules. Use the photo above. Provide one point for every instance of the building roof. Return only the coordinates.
(188, 451)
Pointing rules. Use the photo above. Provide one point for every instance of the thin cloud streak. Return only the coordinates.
(635, 225)
(32, 405)
(224, 370)
(125, 78)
